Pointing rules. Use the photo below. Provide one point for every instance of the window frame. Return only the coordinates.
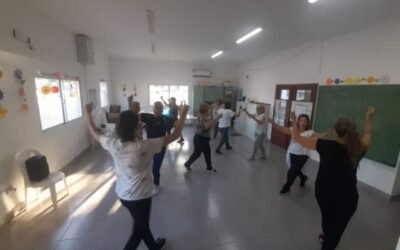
(169, 91)
(62, 100)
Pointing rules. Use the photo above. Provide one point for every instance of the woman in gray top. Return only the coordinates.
(201, 138)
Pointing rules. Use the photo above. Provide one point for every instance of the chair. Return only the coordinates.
(49, 182)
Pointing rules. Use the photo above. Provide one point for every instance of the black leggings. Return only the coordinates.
(140, 211)
(201, 145)
(297, 162)
(336, 213)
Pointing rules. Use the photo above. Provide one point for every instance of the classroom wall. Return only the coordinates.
(18, 131)
(374, 51)
(143, 72)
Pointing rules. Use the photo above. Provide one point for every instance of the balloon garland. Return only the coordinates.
(20, 76)
(3, 111)
(356, 80)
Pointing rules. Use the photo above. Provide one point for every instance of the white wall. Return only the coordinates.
(19, 130)
(374, 51)
(143, 72)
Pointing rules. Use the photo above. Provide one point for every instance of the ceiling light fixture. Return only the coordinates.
(247, 36)
(312, 1)
(151, 21)
(217, 54)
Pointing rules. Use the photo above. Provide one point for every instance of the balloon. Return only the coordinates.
(371, 80)
(349, 80)
(1, 94)
(329, 81)
(1, 74)
(337, 81)
(3, 112)
(24, 107)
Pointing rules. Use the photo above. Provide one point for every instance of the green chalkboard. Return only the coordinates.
(352, 101)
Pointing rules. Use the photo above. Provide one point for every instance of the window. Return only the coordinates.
(59, 101)
(103, 94)
(180, 92)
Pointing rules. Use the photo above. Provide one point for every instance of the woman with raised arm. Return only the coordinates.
(173, 113)
(336, 183)
(261, 131)
(297, 155)
(133, 168)
(201, 138)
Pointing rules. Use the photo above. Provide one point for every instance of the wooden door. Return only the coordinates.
(303, 95)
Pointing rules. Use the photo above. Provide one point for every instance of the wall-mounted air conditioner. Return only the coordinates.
(202, 73)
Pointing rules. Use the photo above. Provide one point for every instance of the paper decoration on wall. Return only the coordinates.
(45, 90)
(124, 89)
(134, 90)
(3, 111)
(1, 74)
(20, 76)
(55, 89)
(356, 80)
(58, 75)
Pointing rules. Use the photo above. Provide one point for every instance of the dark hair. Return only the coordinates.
(307, 118)
(345, 128)
(128, 121)
(228, 105)
(203, 108)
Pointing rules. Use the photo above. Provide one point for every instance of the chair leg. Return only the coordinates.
(26, 198)
(53, 194)
(39, 197)
(65, 184)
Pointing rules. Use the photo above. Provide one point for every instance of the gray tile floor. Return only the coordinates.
(237, 209)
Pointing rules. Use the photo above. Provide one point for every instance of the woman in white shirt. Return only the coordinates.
(224, 124)
(297, 155)
(133, 167)
(261, 131)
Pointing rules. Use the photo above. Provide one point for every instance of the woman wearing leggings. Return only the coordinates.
(297, 155)
(133, 167)
(336, 183)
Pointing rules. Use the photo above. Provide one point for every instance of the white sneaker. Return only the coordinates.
(156, 190)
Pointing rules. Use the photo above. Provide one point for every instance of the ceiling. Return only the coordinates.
(191, 30)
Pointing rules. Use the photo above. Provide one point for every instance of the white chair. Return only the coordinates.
(49, 182)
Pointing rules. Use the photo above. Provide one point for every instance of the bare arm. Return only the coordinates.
(239, 112)
(179, 126)
(367, 137)
(89, 121)
(310, 143)
(323, 134)
(284, 130)
(211, 123)
(165, 103)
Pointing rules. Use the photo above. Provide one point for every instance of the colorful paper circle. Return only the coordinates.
(18, 74)
(349, 80)
(3, 112)
(55, 89)
(371, 80)
(329, 81)
(337, 81)
(45, 90)
(1, 74)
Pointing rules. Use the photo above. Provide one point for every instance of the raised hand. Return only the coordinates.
(130, 99)
(183, 109)
(370, 112)
(293, 116)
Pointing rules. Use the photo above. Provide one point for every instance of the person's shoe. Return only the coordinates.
(303, 181)
(284, 190)
(212, 171)
(218, 152)
(251, 159)
(187, 167)
(229, 148)
(156, 190)
(160, 242)
(321, 238)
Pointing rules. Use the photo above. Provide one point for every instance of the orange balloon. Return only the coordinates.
(371, 80)
(21, 91)
(55, 89)
(24, 107)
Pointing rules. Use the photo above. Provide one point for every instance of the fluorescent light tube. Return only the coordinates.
(312, 1)
(217, 54)
(245, 37)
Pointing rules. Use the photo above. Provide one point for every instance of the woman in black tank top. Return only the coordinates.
(336, 183)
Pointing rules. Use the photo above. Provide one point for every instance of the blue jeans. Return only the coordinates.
(157, 162)
(224, 138)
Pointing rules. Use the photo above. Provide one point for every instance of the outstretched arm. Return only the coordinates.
(179, 126)
(310, 143)
(89, 121)
(323, 134)
(239, 112)
(211, 123)
(165, 103)
(367, 137)
(284, 130)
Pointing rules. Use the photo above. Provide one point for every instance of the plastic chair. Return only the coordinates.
(49, 182)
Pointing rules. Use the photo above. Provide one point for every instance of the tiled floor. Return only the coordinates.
(237, 209)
